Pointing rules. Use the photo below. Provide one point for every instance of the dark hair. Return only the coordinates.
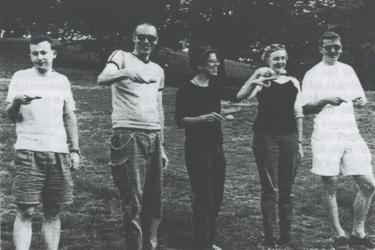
(268, 50)
(42, 38)
(328, 35)
(198, 56)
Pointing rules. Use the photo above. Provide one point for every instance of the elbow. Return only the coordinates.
(307, 110)
(100, 80)
(180, 123)
(238, 97)
(13, 118)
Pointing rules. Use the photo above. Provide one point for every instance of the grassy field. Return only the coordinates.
(93, 222)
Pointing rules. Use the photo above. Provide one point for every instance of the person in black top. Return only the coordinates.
(277, 141)
(198, 111)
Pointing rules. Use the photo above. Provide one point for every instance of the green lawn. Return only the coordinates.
(94, 220)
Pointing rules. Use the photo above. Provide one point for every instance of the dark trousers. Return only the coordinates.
(276, 157)
(137, 171)
(206, 169)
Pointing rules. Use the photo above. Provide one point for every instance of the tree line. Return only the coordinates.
(238, 28)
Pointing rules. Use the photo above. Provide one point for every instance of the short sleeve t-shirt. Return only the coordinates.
(338, 80)
(41, 124)
(134, 104)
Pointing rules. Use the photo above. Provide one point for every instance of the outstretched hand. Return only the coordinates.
(264, 71)
(335, 101)
(24, 99)
(263, 81)
(212, 117)
(359, 102)
(135, 77)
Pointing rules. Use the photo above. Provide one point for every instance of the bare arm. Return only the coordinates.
(188, 121)
(13, 111)
(111, 74)
(248, 88)
(299, 122)
(13, 108)
(161, 114)
(71, 126)
(254, 84)
(316, 107)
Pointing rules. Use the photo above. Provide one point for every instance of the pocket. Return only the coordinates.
(23, 158)
(119, 147)
(66, 160)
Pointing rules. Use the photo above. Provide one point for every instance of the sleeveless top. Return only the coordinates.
(276, 109)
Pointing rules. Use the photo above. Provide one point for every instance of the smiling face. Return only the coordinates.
(331, 50)
(277, 61)
(145, 39)
(42, 56)
(210, 68)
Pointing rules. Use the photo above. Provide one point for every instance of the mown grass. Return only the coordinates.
(94, 220)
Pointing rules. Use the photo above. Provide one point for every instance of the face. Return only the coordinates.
(277, 61)
(42, 56)
(145, 39)
(211, 66)
(331, 50)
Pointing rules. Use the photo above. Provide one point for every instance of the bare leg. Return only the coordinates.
(366, 185)
(22, 230)
(329, 197)
(51, 227)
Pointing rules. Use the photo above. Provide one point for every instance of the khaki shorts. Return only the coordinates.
(42, 176)
(340, 153)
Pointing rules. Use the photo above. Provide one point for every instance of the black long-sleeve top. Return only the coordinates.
(193, 100)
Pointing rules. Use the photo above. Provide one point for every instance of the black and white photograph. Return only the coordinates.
(187, 124)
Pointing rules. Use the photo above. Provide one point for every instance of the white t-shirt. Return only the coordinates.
(338, 80)
(41, 127)
(135, 105)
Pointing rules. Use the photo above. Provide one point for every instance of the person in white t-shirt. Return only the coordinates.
(331, 90)
(137, 148)
(41, 104)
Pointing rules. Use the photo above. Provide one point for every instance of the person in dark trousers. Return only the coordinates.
(277, 140)
(137, 148)
(198, 111)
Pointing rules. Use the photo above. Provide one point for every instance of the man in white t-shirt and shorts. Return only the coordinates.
(137, 148)
(331, 90)
(41, 104)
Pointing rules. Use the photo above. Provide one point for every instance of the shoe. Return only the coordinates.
(214, 247)
(366, 242)
(340, 243)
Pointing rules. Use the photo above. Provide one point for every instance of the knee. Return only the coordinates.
(329, 184)
(52, 212)
(270, 195)
(25, 212)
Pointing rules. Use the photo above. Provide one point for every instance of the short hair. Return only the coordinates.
(268, 50)
(329, 35)
(145, 23)
(198, 56)
(42, 38)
